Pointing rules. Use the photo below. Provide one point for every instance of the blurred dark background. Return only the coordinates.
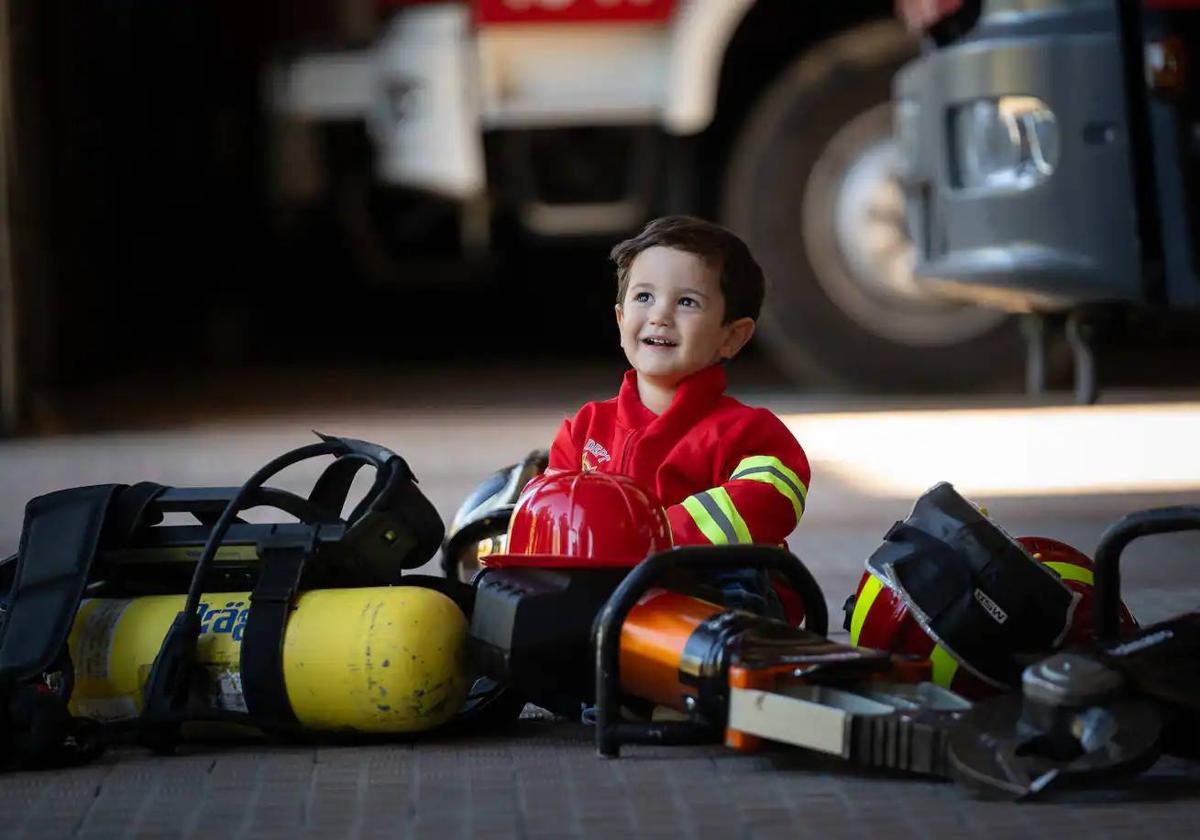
(147, 219)
(148, 245)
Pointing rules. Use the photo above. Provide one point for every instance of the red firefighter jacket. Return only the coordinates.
(727, 472)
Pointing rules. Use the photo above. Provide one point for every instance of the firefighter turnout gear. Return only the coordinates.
(728, 473)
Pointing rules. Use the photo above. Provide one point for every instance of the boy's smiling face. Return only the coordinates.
(670, 318)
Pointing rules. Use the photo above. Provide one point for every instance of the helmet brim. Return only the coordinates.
(554, 561)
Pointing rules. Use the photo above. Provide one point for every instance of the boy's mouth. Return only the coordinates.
(656, 341)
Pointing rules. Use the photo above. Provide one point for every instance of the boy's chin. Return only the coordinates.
(663, 378)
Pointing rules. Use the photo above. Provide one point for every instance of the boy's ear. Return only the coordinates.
(620, 316)
(737, 333)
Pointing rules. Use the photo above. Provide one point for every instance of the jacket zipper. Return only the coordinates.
(625, 451)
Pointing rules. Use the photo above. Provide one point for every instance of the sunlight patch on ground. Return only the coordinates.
(1008, 452)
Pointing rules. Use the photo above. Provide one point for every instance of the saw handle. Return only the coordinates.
(611, 731)
(1116, 537)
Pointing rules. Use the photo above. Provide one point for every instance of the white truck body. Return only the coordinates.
(479, 104)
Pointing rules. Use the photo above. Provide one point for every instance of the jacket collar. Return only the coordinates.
(694, 398)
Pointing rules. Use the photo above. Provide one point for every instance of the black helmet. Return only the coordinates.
(481, 523)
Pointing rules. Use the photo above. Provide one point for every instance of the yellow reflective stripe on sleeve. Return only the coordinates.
(711, 530)
(721, 496)
(1070, 571)
(771, 470)
(862, 606)
(945, 666)
(717, 518)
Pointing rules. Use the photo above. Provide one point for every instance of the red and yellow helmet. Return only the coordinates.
(1076, 570)
(879, 618)
(584, 519)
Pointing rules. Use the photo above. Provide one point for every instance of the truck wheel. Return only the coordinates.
(811, 184)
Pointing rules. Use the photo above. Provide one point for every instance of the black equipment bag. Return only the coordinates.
(972, 587)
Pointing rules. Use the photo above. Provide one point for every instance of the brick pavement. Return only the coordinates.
(545, 781)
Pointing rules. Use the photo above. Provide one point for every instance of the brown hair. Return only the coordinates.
(741, 278)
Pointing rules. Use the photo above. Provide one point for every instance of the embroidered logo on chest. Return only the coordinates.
(596, 451)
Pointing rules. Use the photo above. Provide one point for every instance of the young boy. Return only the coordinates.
(688, 295)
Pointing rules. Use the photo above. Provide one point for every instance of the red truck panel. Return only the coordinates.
(1168, 5)
(573, 11)
(919, 15)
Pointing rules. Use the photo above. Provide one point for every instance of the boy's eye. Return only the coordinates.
(688, 301)
(641, 297)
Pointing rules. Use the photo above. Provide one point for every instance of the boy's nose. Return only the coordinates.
(660, 315)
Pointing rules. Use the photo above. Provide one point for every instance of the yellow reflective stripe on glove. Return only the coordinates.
(945, 666)
(1072, 571)
(771, 470)
(717, 518)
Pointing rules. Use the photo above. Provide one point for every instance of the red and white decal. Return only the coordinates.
(1173, 5)
(919, 15)
(573, 11)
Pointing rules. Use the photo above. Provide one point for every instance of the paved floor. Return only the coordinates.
(544, 779)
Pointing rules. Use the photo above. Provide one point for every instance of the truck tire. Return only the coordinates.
(811, 186)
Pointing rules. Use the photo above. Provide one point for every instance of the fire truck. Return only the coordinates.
(584, 118)
(1050, 161)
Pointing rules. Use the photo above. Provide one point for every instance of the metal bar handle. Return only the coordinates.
(1121, 533)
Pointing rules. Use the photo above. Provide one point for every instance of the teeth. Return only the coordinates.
(659, 342)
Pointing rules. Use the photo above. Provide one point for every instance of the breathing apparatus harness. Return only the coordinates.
(100, 539)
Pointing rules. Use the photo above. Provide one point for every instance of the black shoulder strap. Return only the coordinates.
(59, 542)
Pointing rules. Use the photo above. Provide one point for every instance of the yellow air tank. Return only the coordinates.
(376, 660)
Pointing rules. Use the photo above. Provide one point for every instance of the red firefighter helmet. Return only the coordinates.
(1076, 570)
(585, 519)
(880, 619)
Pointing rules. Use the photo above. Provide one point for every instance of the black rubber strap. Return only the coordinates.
(262, 645)
(131, 509)
(333, 485)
